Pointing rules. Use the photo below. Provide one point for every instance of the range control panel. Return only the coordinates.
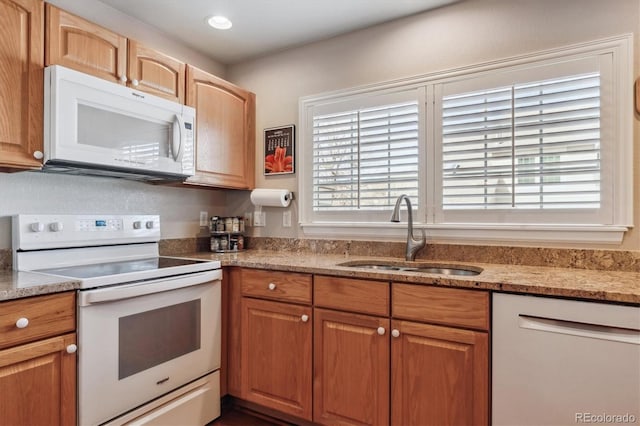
(33, 232)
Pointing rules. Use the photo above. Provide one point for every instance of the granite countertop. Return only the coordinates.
(611, 286)
(595, 285)
(16, 285)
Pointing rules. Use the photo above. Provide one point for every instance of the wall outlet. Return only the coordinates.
(259, 218)
(286, 219)
(248, 219)
(204, 218)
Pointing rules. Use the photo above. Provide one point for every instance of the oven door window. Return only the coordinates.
(153, 337)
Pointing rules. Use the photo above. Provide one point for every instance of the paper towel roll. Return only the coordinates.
(271, 197)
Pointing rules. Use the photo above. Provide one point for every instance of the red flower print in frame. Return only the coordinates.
(279, 154)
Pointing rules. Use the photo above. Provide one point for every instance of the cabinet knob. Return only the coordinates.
(304, 318)
(22, 322)
(381, 331)
(71, 349)
(123, 78)
(38, 155)
(395, 332)
(272, 286)
(135, 82)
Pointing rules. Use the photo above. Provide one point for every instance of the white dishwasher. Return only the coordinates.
(564, 362)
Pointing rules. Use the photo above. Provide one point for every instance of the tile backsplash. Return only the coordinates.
(607, 260)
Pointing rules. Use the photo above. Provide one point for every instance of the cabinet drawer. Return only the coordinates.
(448, 306)
(285, 286)
(46, 315)
(354, 295)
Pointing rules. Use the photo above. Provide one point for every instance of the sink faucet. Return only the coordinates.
(413, 245)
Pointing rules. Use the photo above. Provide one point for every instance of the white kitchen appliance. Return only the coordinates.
(562, 362)
(96, 127)
(148, 326)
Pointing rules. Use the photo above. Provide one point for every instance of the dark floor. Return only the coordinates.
(237, 417)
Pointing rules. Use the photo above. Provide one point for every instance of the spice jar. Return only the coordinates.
(220, 225)
(215, 244)
(228, 224)
(213, 226)
(235, 225)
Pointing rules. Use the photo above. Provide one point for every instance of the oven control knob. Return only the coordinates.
(56, 226)
(71, 349)
(149, 224)
(22, 322)
(37, 227)
(137, 224)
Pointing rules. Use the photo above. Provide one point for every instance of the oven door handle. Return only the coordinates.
(127, 291)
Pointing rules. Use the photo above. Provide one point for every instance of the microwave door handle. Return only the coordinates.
(177, 143)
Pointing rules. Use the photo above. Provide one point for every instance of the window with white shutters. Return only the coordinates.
(533, 148)
(364, 159)
(525, 146)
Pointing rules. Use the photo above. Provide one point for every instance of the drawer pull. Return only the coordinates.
(304, 318)
(272, 286)
(381, 331)
(22, 322)
(395, 332)
(71, 349)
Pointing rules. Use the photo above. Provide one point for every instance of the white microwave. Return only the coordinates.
(96, 127)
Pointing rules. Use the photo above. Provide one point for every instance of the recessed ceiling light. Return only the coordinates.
(220, 22)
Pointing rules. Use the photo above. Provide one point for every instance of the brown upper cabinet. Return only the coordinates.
(76, 43)
(225, 131)
(21, 56)
(156, 73)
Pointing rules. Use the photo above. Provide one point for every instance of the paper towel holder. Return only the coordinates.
(271, 198)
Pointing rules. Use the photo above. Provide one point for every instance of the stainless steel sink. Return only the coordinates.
(377, 266)
(444, 271)
(458, 270)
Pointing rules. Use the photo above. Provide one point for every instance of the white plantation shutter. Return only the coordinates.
(363, 159)
(531, 146)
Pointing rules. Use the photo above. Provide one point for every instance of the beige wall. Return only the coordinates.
(465, 33)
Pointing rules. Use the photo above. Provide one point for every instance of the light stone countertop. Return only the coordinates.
(595, 285)
(16, 285)
(610, 286)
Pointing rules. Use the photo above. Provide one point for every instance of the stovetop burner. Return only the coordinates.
(115, 268)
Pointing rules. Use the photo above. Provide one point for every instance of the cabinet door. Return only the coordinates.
(84, 46)
(351, 369)
(156, 73)
(276, 356)
(38, 382)
(440, 375)
(225, 131)
(21, 83)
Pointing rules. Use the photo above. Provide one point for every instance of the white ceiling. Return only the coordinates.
(264, 26)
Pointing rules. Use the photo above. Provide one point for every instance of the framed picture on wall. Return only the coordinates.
(279, 150)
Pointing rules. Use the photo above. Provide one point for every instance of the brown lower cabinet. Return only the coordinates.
(378, 358)
(439, 375)
(38, 361)
(276, 348)
(351, 368)
(276, 336)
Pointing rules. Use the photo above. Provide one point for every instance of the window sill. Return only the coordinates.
(522, 233)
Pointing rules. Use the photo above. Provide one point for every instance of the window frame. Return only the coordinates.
(621, 157)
